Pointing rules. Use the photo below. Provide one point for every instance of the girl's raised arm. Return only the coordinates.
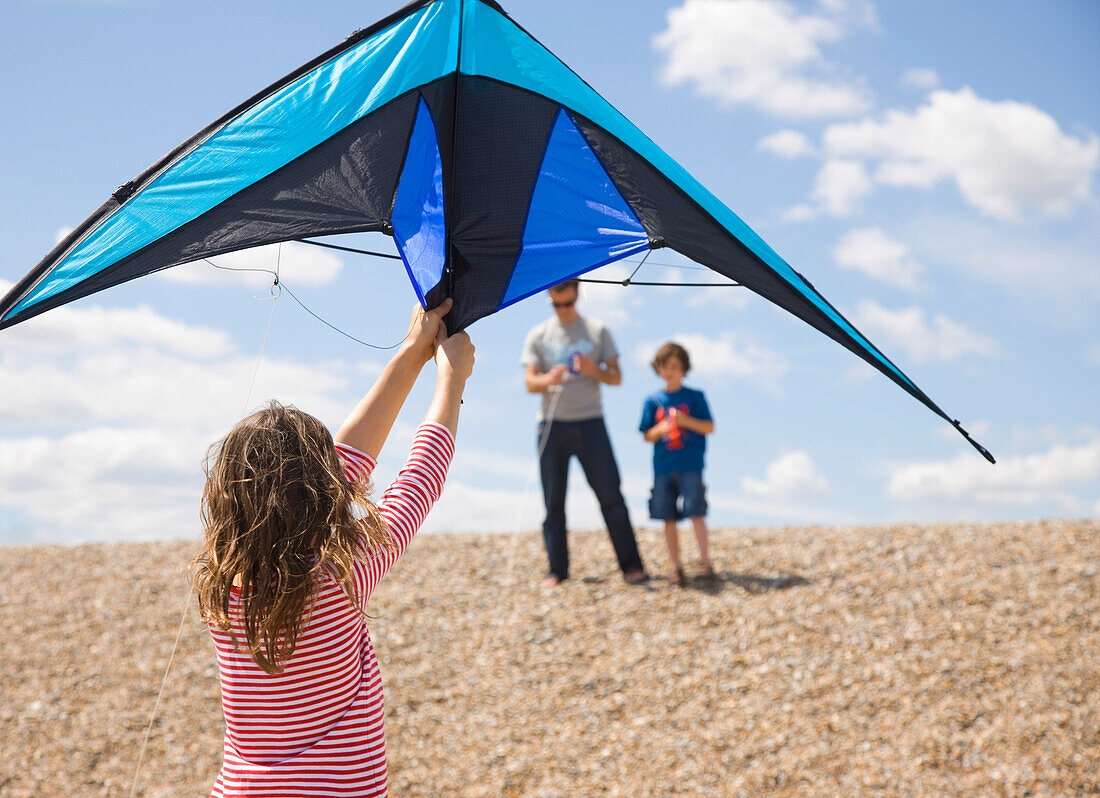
(369, 424)
(454, 361)
(406, 502)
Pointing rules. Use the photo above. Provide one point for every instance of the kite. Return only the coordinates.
(495, 168)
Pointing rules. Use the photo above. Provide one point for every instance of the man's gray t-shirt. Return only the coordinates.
(551, 344)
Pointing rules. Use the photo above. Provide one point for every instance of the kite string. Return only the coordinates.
(640, 265)
(263, 344)
(191, 587)
(284, 287)
(337, 329)
(163, 682)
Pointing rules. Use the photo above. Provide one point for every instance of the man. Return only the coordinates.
(567, 357)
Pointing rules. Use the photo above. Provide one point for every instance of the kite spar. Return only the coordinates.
(496, 169)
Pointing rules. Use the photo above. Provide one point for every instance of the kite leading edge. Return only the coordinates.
(496, 169)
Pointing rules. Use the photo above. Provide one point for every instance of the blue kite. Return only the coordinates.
(496, 169)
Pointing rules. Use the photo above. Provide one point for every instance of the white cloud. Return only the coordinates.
(90, 365)
(298, 264)
(681, 272)
(762, 53)
(1022, 480)
(799, 213)
(860, 372)
(920, 78)
(792, 476)
(840, 185)
(466, 507)
(95, 328)
(105, 483)
(726, 298)
(786, 511)
(1025, 261)
(871, 251)
(853, 13)
(1006, 158)
(723, 356)
(146, 395)
(729, 297)
(59, 236)
(979, 430)
(152, 386)
(468, 460)
(617, 305)
(1031, 437)
(939, 340)
(786, 144)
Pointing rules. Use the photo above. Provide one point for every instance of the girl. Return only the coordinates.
(293, 548)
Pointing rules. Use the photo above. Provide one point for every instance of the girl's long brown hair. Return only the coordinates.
(276, 510)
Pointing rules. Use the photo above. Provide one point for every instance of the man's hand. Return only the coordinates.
(586, 366)
(556, 375)
(539, 381)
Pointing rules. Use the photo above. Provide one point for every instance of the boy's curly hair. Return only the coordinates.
(669, 351)
(278, 512)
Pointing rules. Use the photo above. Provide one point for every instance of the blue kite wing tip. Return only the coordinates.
(981, 449)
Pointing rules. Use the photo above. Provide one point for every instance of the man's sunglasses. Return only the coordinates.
(566, 304)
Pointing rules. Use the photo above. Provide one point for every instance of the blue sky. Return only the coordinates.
(929, 166)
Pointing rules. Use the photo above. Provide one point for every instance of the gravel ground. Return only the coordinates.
(884, 661)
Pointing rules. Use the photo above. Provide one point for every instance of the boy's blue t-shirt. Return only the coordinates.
(683, 451)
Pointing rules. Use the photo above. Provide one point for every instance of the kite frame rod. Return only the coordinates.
(672, 285)
(348, 249)
(626, 282)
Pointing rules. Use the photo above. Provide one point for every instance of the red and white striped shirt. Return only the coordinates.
(316, 728)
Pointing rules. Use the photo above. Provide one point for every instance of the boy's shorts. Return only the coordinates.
(664, 504)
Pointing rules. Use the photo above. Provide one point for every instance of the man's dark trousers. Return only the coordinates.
(588, 441)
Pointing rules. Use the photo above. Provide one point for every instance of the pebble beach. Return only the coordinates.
(908, 660)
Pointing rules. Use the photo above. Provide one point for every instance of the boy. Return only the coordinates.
(676, 420)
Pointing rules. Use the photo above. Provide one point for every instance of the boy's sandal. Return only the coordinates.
(676, 578)
(707, 572)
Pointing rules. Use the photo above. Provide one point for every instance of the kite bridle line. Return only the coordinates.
(645, 257)
(283, 287)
